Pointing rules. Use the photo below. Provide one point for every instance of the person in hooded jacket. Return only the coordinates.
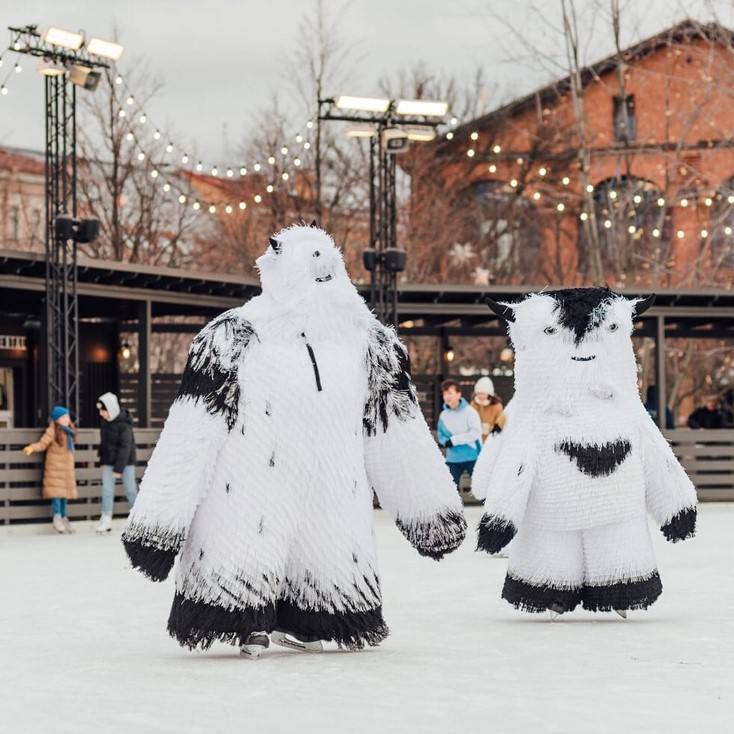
(116, 455)
(488, 406)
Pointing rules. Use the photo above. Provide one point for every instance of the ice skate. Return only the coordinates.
(105, 524)
(58, 524)
(555, 610)
(255, 644)
(68, 528)
(285, 639)
(622, 613)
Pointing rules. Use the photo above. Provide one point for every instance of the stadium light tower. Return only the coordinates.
(67, 61)
(390, 125)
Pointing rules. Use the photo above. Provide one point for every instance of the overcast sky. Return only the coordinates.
(219, 61)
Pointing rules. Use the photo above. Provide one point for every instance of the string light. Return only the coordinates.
(196, 206)
(166, 187)
(730, 198)
(284, 150)
(492, 168)
(474, 135)
(230, 173)
(271, 159)
(612, 194)
(258, 198)
(449, 135)
(704, 234)
(212, 209)
(142, 119)
(228, 209)
(296, 161)
(583, 216)
(3, 90)
(243, 171)
(656, 232)
(309, 124)
(184, 159)
(608, 223)
(470, 153)
(727, 230)
(684, 203)
(565, 180)
(632, 229)
(661, 201)
(497, 149)
(542, 171)
(513, 183)
(680, 234)
(243, 205)
(708, 201)
(637, 198)
(536, 195)
(270, 188)
(181, 199)
(157, 135)
(285, 176)
(589, 188)
(169, 148)
(560, 206)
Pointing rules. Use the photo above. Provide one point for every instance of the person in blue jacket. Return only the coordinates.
(459, 431)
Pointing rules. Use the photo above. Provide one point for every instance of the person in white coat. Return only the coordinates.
(268, 501)
(580, 462)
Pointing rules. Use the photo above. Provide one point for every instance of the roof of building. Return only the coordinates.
(20, 160)
(684, 32)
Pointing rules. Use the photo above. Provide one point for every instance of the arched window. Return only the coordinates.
(632, 226)
(721, 226)
(502, 227)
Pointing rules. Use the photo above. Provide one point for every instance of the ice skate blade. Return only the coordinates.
(253, 652)
(293, 643)
(103, 532)
(622, 613)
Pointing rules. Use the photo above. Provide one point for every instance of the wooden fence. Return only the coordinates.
(707, 455)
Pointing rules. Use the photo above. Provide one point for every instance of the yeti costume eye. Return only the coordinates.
(550, 330)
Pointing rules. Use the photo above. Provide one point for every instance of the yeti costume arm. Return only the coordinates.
(403, 462)
(503, 477)
(179, 471)
(669, 493)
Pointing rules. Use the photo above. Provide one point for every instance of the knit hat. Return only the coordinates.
(484, 385)
(58, 411)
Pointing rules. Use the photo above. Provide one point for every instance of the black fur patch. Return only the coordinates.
(436, 537)
(622, 595)
(595, 460)
(198, 624)
(531, 598)
(350, 629)
(494, 533)
(581, 309)
(629, 594)
(152, 550)
(390, 388)
(211, 370)
(682, 526)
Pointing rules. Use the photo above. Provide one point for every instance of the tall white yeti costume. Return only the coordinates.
(579, 463)
(292, 409)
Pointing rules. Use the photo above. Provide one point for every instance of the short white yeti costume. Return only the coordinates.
(292, 409)
(579, 462)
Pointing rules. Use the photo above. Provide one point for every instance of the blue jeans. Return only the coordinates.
(457, 469)
(58, 506)
(108, 486)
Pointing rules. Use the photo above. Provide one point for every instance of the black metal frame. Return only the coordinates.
(383, 200)
(62, 305)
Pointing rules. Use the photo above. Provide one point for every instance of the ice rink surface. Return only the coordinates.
(83, 648)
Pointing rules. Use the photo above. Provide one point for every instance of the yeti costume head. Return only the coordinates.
(570, 341)
(302, 268)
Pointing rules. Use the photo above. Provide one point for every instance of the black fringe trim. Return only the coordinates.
(682, 526)
(152, 550)
(350, 630)
(198, 624)
(630, 594)
(494, 533)
(437, 537)
(535, 599)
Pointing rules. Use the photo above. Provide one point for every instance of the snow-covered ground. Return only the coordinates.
(83, 648)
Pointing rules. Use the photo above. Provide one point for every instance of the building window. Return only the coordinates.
(624, 122)
(14, 223)
(35, 226)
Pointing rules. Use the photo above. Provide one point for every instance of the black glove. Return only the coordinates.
(449, 444)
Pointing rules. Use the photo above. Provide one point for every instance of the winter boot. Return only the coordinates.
(286, 639)
(68, 526)
(105, 524)
(58, 523)
(255, 644)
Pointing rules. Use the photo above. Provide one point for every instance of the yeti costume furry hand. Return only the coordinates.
(580, 462)
(292, 410)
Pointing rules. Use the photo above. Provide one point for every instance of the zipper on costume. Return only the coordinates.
(314, 364)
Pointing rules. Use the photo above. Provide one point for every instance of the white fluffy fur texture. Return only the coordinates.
(533, 487)
(279, 508)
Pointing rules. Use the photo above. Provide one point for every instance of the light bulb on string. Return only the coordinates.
(542, 171)
(309, 124)
(230, 173)
(157, 135)
(704, 234)
(129, 137)
(497, 149)
(284, 150)
(212, 209)
(169, 148)
(18, 68)
(708, 201)
(492, 168)
(632, 229)
(684, 203)
(270, 188)
(196, 206)
(680, 234)
(3, 90)
(449, 135)
(637, 198)
(121, 113)
(184, 159)
(181, 199)
(608, 223)
(243, 171)
(583, 216)
(256, 167)
(142, 119)
(656, 232)
(730, 198)
(727, 230)
(215, 171)
(612, 194)
(560, 206)
(258, 198)
(661, 201)
(296, 161)
(271, 159)
(470, 153)
(299, 138)
(565, 180)
(228, 209)
(118, 80)
(243, 205)
(130, 100)
(285, 176)
(474, 135)
(166, 187)
(589, 188)
(199, 166)
(154, 173)
(536, 195)
(141, 156)
(306, 145)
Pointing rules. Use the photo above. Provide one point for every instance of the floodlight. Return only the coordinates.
(50, 68)
(365, 104)
(65, 39)
(361, 131)
(421, 133)
(421, 107)
(107, 49)
(84, 77)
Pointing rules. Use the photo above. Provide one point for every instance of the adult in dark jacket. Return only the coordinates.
(116, 455)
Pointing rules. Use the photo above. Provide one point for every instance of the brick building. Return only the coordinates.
(631, 161)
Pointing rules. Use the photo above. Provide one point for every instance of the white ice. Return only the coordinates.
(83, 648)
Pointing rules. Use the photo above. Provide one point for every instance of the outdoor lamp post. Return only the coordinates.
(67, 61)
(391, 126)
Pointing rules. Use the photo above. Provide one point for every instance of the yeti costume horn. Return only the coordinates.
(292, 409)
(579, 463)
